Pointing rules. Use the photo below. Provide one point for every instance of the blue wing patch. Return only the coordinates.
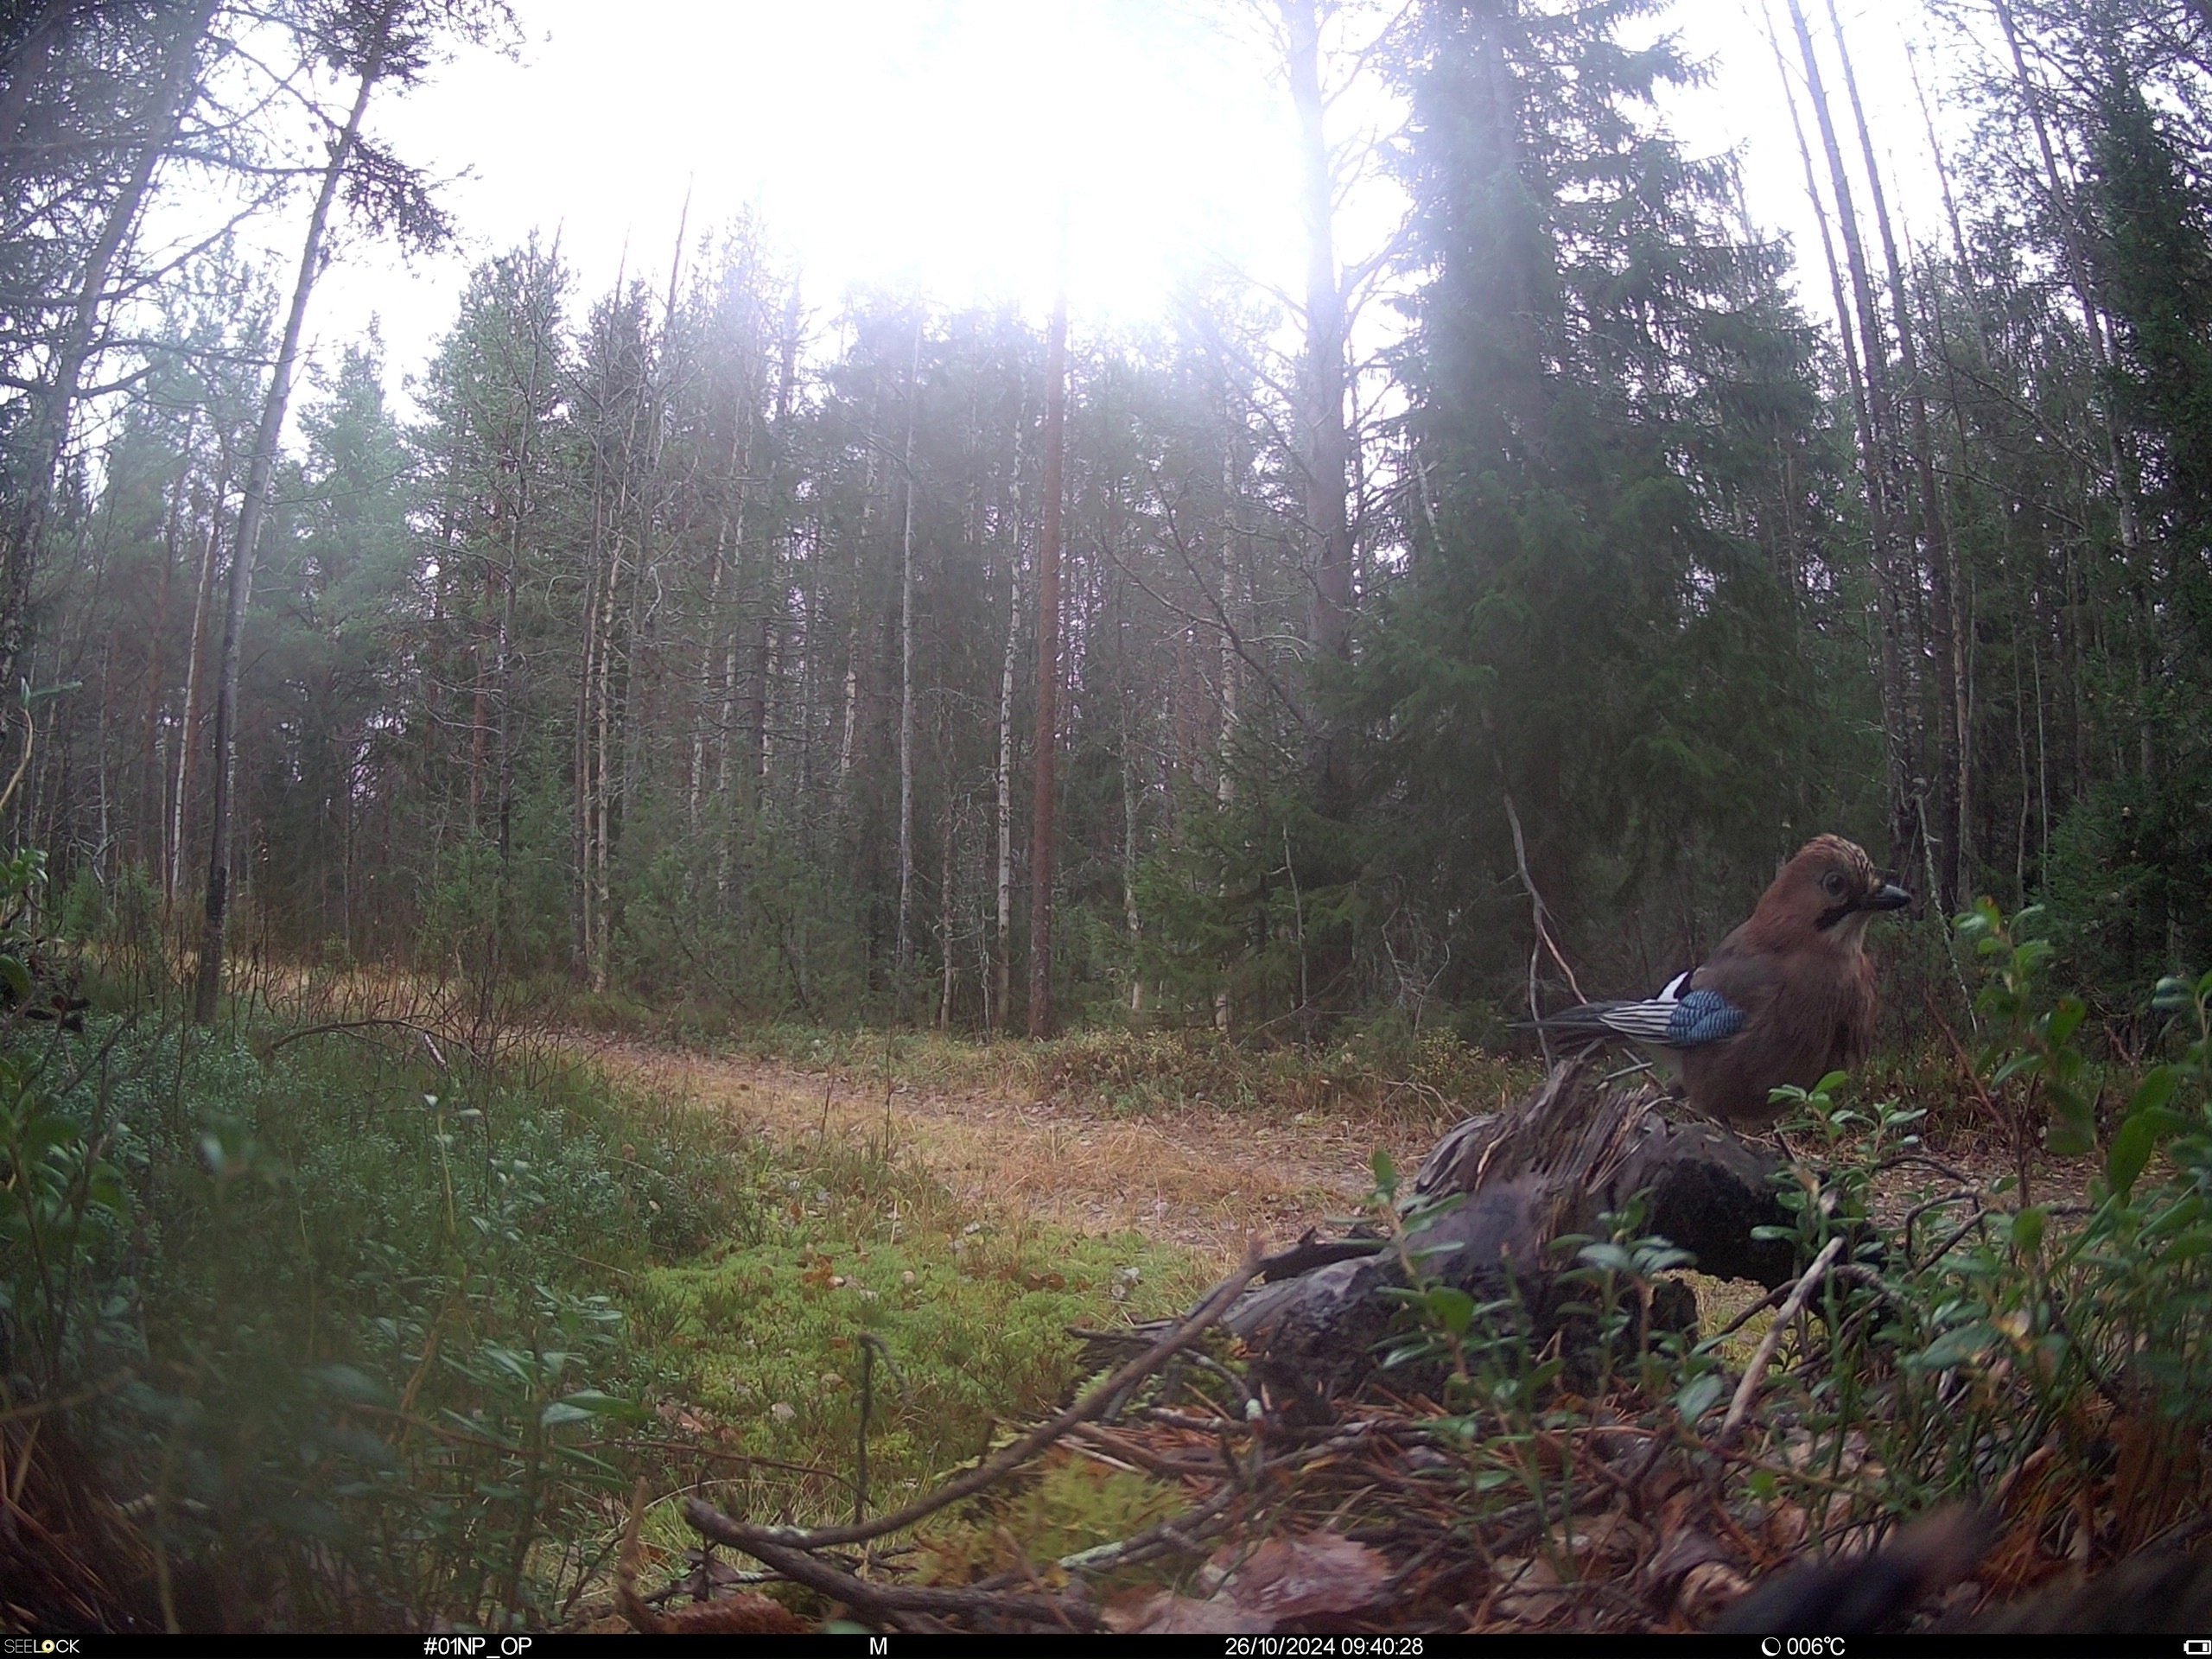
(1703, 1017)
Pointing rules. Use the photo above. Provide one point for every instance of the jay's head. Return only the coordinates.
(1829, 889)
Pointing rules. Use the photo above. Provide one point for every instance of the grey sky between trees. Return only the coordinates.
(889, 144)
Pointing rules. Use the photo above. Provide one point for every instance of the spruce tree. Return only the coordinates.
(1596, 631)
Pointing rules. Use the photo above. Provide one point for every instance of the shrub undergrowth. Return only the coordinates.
(1999, 1343)
(363, 1333)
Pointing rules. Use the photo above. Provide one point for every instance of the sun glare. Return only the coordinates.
(926, 148)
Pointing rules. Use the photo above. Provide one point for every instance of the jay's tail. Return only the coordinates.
(1638, 1022)
(1671, 1019)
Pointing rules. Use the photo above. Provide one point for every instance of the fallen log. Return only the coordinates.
(1488, 1204)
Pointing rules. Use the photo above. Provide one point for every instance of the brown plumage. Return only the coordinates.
(1799, 969)
(1785, 999)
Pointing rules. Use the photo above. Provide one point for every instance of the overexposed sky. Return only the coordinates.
(921, 144)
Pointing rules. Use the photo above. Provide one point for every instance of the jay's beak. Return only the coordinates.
(1889, 896)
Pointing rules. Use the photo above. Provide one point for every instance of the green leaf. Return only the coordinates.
(1607, 1258)
(2066, 1138)
(1452, 1308)
(2184, 1213)
(1699, 1396)
(2065, 1019)
(578, 1459)
(2027, 1229)
(2130, 1150)
(1955, 1347)
(2188, 1247)
(352, 1384)
(1386, 1173)
(2155, 1091)
(105, 1192)
(605, 1405)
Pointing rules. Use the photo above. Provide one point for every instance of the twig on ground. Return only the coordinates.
(1748, 1390)
(356, 1026)
(706, 1518)
(1182, 1533)
(800, 1565)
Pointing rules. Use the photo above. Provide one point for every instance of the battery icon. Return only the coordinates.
(2197, 1644)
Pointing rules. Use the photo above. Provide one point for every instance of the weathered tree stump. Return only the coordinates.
(1552, 1166)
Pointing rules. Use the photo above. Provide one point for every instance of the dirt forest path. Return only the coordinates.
(1195, 1176)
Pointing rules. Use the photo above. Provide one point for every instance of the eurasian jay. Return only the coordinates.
(1786, 998)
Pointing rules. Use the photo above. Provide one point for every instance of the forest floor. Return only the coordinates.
(1201, 1177)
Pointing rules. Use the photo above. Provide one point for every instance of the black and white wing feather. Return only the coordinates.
(1676, 1019)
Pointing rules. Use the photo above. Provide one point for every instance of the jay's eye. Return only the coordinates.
(1833, 883)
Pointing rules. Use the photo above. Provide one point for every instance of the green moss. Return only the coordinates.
(972, 1327)
(1071, 1505)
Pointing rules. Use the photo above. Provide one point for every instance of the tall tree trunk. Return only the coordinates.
(851, 722)
(1328, 448)
(260, 477)
(523, 458)
(1131, 918)
(947, 892)
(1901, 701)
(1224, 767)
(2077, 271)
(1954, 869)
(2071, 240)
(855, 633)
(602, 786)
(1002, 810)
(1041, 830)
(479, 705)
(152, 847)
(56, 402)
(906, 678)
(1942, 170)
(711, 646)
(765, 644)
(580, 761)
(1885, 642)
(187, 741)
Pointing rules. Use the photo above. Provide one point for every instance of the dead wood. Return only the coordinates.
(1491, 1199)
(2164, 1589)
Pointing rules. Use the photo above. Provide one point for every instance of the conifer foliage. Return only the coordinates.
(679, 644)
